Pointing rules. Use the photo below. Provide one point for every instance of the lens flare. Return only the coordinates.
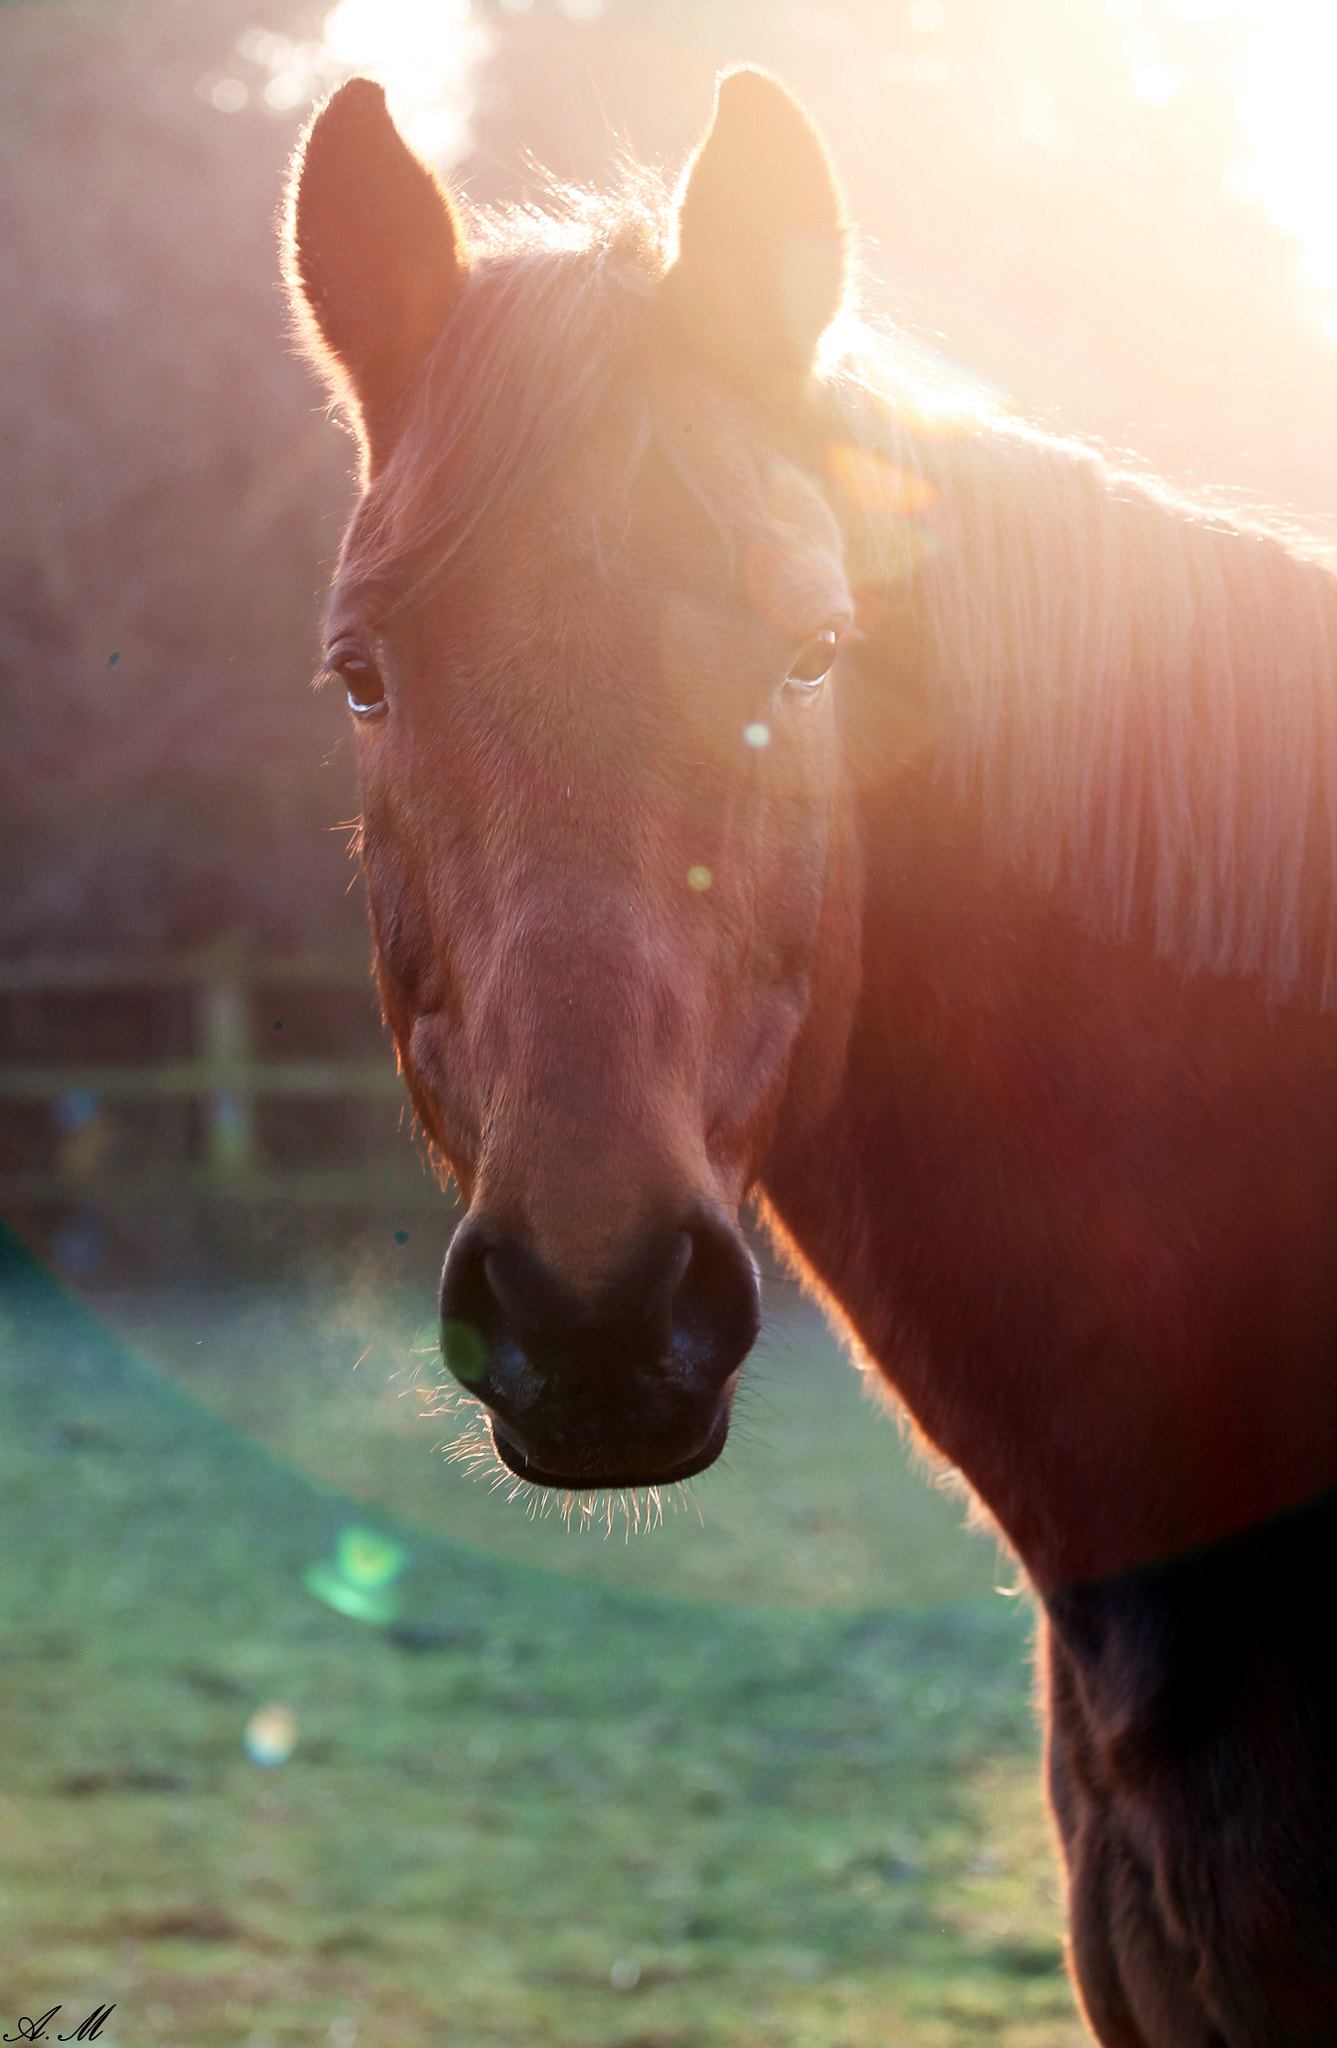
(464, 1350)
(876, 485)
(359, 1581)
(270, 1736)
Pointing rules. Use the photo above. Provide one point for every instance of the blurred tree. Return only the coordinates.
(173, 499)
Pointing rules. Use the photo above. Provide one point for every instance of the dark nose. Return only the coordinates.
(633, 1388)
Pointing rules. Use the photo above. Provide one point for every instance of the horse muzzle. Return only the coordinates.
(632, 1390)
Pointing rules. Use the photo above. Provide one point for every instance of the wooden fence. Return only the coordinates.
(224, 1073)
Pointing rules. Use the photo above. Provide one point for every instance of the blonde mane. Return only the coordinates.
(1139, 689)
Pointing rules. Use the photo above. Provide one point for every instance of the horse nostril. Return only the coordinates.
(469, 1311)
(659, 1300)
(464, 1348)
(717, 1301)
(508, 1290)
(504, 1316)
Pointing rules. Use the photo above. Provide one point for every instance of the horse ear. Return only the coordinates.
(374, 256)
(761, 261)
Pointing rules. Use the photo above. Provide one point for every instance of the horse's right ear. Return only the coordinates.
(374, 257)
(761, 263)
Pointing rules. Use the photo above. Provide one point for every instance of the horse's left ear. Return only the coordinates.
(374, 256)
(761, 261)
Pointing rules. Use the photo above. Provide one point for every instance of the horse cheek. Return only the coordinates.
(817, 1061)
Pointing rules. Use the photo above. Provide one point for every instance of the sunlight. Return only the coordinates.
(1287, 87)
(1283, 85)
(425, 53)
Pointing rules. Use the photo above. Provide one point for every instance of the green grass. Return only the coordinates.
(591, 1814)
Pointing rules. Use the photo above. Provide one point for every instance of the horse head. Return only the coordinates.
(585, 616)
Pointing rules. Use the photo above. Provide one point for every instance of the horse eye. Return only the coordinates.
(814, 661)
(362, 680)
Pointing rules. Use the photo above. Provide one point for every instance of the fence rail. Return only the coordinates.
(220, 965)
(157, 1082)
(222, 1073)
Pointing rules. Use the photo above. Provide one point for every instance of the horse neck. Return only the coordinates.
(1077, 1207)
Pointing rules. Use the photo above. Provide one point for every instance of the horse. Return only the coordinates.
(787, 782)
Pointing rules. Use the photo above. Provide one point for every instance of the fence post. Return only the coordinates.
(225, 1045)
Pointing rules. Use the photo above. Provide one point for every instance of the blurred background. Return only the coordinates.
(1115, 215)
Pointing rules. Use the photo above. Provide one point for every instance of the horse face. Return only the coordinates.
(597, 841)
(602, 847)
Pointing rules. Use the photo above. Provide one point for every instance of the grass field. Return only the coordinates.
(566, 1805)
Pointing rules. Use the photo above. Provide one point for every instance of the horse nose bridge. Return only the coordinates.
(587, 996)
(590, 919)
(589, 1047)
(634, 1288)
(583, 1196)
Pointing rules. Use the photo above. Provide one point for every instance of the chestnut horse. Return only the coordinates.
(781, 783)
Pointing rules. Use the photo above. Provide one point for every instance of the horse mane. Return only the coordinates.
(556, 300)
(1137, 687)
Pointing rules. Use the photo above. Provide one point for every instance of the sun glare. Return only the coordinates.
(425, 53)
(1283, 87)
(1287, 90)
(1268, 66)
